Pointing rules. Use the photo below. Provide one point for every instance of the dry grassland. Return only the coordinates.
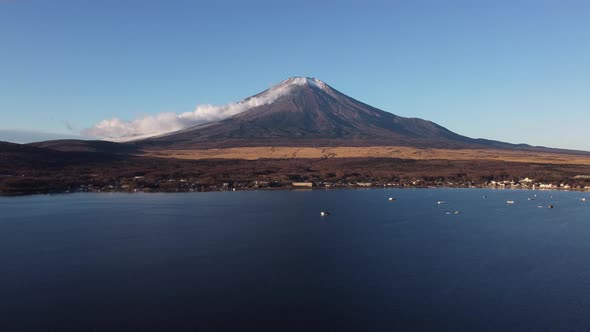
(253, 153)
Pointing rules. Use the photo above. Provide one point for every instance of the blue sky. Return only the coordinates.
(516, 71)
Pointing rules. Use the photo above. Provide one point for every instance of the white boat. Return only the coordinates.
(441, 202)
(391, 199)
(324, 214)
(509, 202)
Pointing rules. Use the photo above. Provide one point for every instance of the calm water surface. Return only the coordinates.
(267, 260)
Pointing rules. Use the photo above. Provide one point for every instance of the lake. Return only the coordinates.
(267, 260)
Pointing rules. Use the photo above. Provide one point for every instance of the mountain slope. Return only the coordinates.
(308, 112)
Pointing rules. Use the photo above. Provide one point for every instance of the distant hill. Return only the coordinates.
(17, 157)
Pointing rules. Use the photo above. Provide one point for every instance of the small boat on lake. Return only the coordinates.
(509, 202)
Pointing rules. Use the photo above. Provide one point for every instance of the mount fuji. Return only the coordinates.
(305, 111)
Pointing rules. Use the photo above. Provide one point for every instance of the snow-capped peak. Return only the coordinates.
(310, 81)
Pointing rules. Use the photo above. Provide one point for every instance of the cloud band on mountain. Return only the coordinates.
(153, 125)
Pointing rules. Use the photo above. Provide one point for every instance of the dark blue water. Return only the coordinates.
(266, 260)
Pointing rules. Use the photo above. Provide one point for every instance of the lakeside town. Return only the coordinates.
(138, 184)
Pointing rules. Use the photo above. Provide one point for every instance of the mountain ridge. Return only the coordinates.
(302, 112)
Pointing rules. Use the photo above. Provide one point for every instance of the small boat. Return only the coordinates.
(391, 199)
(324, 213)
(484, 196)
(583, 199)
(441, 202)
(540, 206)
(509, 202)
(457, 212)
(531, 199)
(550, 206)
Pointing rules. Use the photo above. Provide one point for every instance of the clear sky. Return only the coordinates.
(516, 71)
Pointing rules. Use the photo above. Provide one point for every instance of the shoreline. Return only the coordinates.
(6, 195)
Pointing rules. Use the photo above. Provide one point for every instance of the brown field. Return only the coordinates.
(400, 152)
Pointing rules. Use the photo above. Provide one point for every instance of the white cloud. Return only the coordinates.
(153, 125)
